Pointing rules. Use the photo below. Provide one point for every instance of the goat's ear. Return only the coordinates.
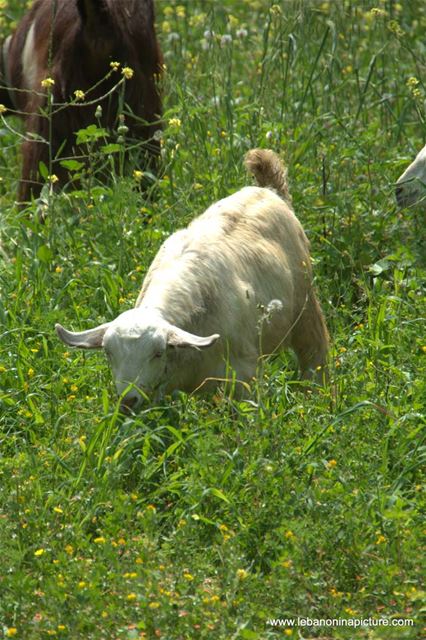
(92, 11)
(90, 339)
(179, 338)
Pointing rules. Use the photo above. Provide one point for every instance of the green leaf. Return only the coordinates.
(72, 165)
(105, 401)
(44, 172)
(111, 148)
(44, 254)
(379, 267)
(91, 134)
(218, 493)
(37, 415)
(248, 634)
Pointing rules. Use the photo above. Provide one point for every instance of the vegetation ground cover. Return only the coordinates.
(208, 517)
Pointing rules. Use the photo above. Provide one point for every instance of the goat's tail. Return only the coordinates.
(269, 171)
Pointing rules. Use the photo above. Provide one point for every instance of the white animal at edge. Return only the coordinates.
(411, 185)
(235, 285)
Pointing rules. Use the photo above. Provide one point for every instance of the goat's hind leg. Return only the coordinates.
(310, 342)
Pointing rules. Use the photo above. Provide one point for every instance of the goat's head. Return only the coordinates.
(411, 185)
(137, 345)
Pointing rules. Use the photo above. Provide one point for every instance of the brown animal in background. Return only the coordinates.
(73, 42)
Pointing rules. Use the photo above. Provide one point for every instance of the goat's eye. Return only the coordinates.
(157, 354)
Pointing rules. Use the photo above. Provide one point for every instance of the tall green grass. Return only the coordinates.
(207, 517)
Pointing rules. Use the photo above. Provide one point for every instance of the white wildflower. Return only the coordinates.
(225, 40)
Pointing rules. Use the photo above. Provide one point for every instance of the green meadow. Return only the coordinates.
(212, 517)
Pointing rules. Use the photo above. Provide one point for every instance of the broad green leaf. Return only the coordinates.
(44, 254)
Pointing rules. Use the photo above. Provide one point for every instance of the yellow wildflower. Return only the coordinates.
(138, 175)
(39, 552)
(10, 632)
(47, 83)
(131, 596)
(99, 540)
(242, 574)
(79, 94)
(377, 13)
(127, 72)
(412, 81)
(395, 28)
(2, 109)
(114, 65)
(53, 178)
(331, 464)
(175, 122)
(412, 84)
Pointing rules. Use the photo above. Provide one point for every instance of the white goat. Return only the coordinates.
(233, 286)
(411, 185)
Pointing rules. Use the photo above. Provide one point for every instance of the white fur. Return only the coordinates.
(30, 69)
(411, 185)
(240, 272)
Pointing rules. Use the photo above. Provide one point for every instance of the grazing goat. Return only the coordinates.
(66, 47)
(411, 185)
(233, 286)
